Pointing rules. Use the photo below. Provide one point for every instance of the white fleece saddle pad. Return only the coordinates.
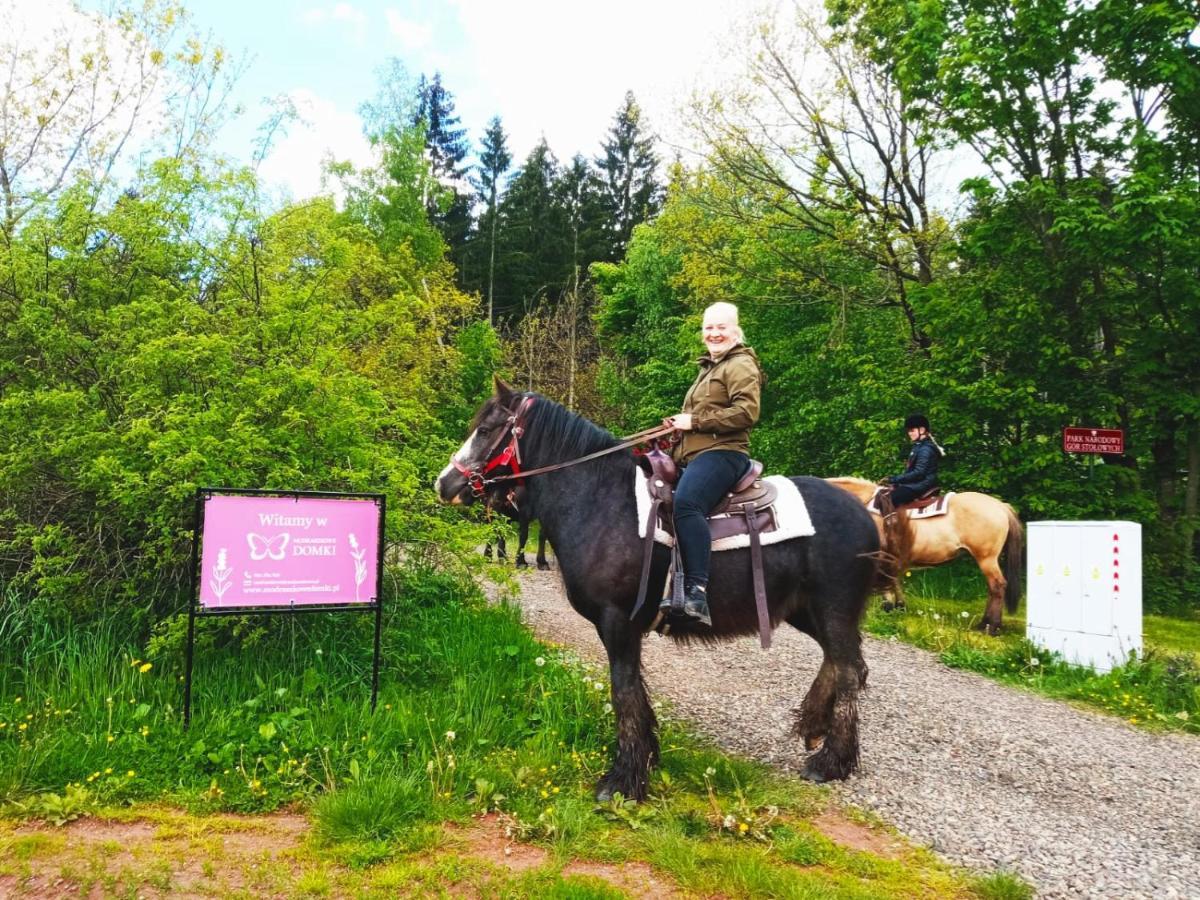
(929, 512)
(791, 515)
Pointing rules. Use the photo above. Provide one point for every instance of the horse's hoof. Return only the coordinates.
(521, 564)
(604, 794)
(888, 607)
(811, 774)
(543, 567)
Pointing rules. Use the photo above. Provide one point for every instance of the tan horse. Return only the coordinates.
(977, 523)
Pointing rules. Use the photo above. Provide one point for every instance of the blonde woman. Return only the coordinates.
(719, 410)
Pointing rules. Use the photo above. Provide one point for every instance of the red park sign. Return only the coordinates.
(1093, 440)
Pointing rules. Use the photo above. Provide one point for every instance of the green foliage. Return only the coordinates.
(372, 810)
(1002, 886)
(179, 340)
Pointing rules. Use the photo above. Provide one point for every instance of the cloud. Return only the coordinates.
(323, 132)
(412, 35)
(345, 13)
(563, 69)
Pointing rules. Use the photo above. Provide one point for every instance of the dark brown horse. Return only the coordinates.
(817, 584)
(515, 504)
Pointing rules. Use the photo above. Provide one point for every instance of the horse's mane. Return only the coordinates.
(552, 427)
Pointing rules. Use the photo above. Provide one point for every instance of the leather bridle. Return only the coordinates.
(511, 454)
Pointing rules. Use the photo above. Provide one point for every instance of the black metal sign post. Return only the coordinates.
(196, 610)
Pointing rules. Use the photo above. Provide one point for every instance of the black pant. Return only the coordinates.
(704, 482)
(902, 493)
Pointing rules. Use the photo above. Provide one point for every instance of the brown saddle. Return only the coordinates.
(930, 497)
(729, 518)
(748, 509)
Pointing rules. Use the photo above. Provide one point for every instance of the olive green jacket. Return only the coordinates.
(724, 402)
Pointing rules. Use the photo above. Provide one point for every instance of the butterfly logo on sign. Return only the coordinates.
(267, 548)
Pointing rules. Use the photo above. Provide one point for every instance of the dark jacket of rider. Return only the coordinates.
(921, 473)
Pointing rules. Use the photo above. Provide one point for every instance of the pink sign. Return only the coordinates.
(288, 551)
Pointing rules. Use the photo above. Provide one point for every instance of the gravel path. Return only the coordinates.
(1079, 804)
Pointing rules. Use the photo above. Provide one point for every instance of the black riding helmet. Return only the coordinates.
(916, 420)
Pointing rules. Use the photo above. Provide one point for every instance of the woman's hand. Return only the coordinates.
(680, 422)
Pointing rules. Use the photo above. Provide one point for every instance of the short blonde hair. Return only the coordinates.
(730, 311)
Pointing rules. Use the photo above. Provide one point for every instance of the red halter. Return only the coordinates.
(510, 456)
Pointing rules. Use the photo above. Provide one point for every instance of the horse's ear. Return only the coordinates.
(503, 391)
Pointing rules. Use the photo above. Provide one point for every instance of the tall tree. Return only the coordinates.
(821, 137)
(447, 146)
(78, 93)
(1077, 238)
(533, 258)
(628, 172)
(494, 161)
(578, 192)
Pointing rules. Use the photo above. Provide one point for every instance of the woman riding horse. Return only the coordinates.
(581, 482)
(920, 476)
(719, 410)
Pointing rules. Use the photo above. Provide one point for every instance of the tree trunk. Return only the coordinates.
(1193, 491)
(492, 264)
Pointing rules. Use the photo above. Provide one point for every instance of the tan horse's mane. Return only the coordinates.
(857, 486)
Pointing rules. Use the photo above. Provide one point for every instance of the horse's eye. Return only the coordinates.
(483, 430)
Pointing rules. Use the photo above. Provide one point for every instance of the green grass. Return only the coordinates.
(1160, 690)
(474, 716)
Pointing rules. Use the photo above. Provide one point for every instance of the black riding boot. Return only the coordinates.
(695, 602)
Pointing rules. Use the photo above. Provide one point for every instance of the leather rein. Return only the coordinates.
(511, 455)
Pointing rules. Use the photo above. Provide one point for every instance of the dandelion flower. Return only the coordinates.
(710, 771)
(450, 735)
(1034, 661)
(937, 617)
(540, 661)
(743, 828)
(608, 707)
(964, 614)
(130, 774)
(144, 668)
(598, 685)
(108, 771)
(729, 822)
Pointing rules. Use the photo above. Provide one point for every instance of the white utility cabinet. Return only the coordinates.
(1084, 590)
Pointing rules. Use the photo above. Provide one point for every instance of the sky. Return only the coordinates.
(553, 69)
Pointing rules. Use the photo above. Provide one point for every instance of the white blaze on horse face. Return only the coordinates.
(461, 456)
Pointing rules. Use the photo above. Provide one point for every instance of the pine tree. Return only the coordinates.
(628, 170)
(493, 163)
(447, 146)
(578, 191)
(447, 143)
(533, 257)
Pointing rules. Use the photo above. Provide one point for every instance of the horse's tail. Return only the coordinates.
(1014, 561)
(896, 551)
